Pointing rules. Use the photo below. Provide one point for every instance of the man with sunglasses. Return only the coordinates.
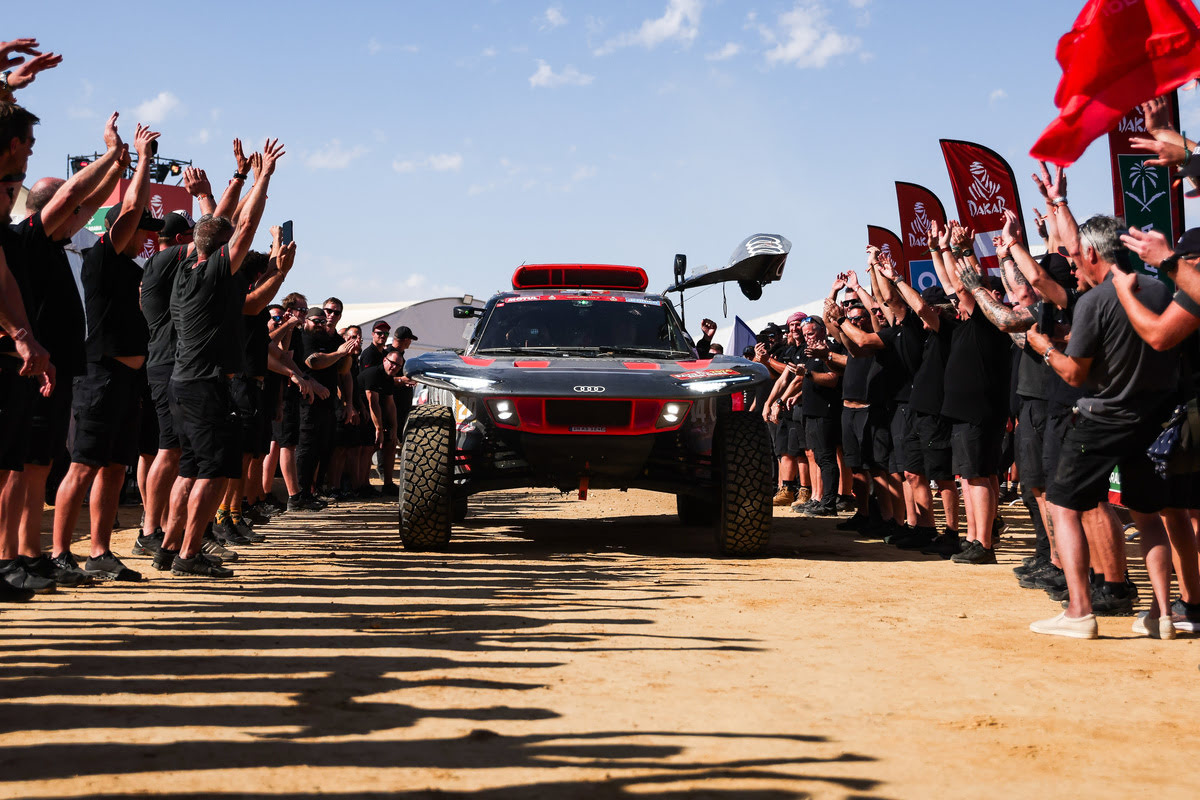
(379, 382)
(322, 353)
(372, 354)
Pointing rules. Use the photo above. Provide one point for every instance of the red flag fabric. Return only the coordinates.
(889, 244)
(918, 207)
(1119, 53)
(984, 186)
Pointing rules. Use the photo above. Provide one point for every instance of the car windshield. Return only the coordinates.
(583, 324)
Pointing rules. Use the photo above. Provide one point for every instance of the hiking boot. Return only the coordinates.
(148, 545)
(67, 571)
(200, 565)
(18, 577)
(210, 546)
(784, 497)
(227, 533)
(856, 523)
(246, 532)
(164, 558)
(845, 503)
(44, 567)
(1073, 627)
(919, 539)
(109, 568)
(1186, 616)
(944, 544)
(803, 495)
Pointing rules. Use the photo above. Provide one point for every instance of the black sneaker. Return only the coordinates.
(856, 523)
(44, 567)
(248, 533)
(898, 533)
(200, 565)
(944, 544)
(18, 577)
(227, 534)
(148, 545)
(1110, 601)
(880, 529)
(919, 539)
(820, 509)
(845, 503)
(999, 526)
(304, 502)
(210, 546)
(1030, 579)
(1030, 565)
(978, 554)
(254, 516)
(109, 568)
(164, 558)
(275, 504)
(67, 571)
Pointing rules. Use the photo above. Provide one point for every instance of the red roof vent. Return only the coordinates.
(579, 276)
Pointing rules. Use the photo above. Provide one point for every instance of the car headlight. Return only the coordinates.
(672, 413)
(464, 382)
(717, 384)
(505, 412)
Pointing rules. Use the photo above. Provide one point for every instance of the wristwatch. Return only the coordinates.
(19, 335)
(1170, 263)
(4, 87)
(1046, 355)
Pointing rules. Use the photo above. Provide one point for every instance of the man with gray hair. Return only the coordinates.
(1130, 392)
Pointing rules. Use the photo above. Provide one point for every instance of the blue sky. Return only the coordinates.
(432, 147)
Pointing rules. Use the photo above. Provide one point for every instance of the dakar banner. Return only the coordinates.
(984, 186)
(1143, 194)
(889, 244)
(918, 208)
(163, 200)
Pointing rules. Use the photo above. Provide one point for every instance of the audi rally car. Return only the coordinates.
(580, 379)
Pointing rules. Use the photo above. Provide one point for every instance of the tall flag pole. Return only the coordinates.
(984, 187)
(888, 243)
(918, 208)
(1143, 194)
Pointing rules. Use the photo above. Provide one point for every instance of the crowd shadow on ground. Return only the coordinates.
(330, 650)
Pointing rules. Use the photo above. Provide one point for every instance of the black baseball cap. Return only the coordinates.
(315, 312)
(148, 222)
(1189, 243)
(176, 223)
(381, 325)
(934, 296)
(404, 332)
(1059, 268)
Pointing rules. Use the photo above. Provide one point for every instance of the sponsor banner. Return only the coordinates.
(922, 275)
(1143, 194)
(984, 187)
(918, 208)
(163, 200)
(704, 373)
(1114, 486)
(890, 245)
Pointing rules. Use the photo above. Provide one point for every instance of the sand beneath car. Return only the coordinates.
(563, 649)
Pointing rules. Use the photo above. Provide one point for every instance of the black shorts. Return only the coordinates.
(975, 448)
(247, 396)
(855, 437)
(16, 400)
(49, 424)
(107, 410)
(1031, 434)
(1058, 419)
(900, 429)
(209, 429)
(286, 430)
(1090, 451)
(789, 435)
(159, 378)
(148, 425)
(928, 447)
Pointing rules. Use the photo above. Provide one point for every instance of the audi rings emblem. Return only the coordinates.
(589, 389)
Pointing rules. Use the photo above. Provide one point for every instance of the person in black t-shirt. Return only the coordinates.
(379, 382)
(322, 353)
(820, 409)
(106, 405)
(57, 210)
(372, 354)
(783, 359)
(206, 305)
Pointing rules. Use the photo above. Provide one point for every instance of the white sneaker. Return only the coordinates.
(1074, 627)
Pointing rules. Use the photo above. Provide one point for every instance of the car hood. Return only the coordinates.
(608, 376)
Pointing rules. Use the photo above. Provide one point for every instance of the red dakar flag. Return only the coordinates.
(890, 245)
(984, 186)
(1119, 53)
(1142, 194)
(918, 207)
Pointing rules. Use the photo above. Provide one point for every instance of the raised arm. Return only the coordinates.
(1055, 193)
(247, 225)
(67, 203)
(912, 298)
(136, 194)
(23, 72)
(261, 295)
(230, 205)
(1009, 320)
(197, 185)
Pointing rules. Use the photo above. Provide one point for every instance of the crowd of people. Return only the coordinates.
(893, 396)
(183, 368)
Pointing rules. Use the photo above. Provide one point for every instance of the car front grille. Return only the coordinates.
(570, 413)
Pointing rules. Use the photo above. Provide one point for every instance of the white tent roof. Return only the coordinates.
(431, 320)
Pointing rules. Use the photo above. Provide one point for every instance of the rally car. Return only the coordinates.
(580, 379)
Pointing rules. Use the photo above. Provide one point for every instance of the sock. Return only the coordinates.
(223, 513)
(790, 485)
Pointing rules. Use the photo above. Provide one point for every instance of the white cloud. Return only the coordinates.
(727, 52)
(859, 3)
(333, 156)
(201, 136)
(680, 22)
(156, 109)
(439, 162)
(488, 52)
(374, 46)
(997, 95)
(583, 173)
(553, 18)
(805, 39)
(547, 78)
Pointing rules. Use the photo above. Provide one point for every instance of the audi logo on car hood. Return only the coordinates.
(589, 389)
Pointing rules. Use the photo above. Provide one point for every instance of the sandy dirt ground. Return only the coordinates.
(564, 649)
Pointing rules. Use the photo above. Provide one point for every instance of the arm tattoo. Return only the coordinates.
(1001, 316)
(1018, 339)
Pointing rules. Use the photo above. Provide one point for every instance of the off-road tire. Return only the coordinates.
(695, 511)
(742, 454)
(426, 472)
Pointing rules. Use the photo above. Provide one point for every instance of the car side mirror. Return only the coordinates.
(466, 312)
